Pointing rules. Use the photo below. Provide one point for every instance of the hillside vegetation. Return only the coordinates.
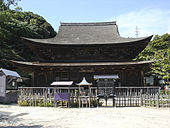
(16, 24)
(158, 50)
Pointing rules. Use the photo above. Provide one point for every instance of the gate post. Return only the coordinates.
(141, 98)
(157, 100)
(114, 105)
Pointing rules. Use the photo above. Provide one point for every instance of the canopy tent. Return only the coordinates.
(62, 83)
(84, 82)
(114, 76)
(62, 96)
(10, 77)
(8, 86)
(10, 73)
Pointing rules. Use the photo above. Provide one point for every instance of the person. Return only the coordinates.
(163, 89)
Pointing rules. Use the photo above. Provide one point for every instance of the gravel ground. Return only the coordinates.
(13, 116)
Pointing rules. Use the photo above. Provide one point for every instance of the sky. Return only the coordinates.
(151, 17)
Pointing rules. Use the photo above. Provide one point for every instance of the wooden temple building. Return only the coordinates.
(87, 50)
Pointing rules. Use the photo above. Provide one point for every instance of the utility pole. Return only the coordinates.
(136, 32)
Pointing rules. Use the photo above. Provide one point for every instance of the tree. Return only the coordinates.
(2, 5)
(13, 25)
(6, 4)
(158, 50)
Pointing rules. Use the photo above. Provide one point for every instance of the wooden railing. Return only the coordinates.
(123, 96)
(44, 96)
(156, 100)
(131, 96)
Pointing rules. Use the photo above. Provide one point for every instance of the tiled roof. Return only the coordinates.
(87, 33)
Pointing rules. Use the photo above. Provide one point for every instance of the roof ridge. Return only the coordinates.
(87, 23)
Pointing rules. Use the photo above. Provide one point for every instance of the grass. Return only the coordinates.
(41, 103)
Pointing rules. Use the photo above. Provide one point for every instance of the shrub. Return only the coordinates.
(23, 103)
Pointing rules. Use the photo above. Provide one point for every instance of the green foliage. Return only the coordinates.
(13, 26)
(158, 50)
(165, 92)
(23, 103)
(11, 2)
(6, 4)
(41, 103)
(2, 5)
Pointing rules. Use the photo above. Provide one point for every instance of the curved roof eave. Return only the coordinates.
(40, 64)
(116, 41)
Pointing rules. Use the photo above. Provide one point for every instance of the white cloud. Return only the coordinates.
(148, 21)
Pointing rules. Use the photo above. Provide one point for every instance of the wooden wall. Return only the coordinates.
(128, 77)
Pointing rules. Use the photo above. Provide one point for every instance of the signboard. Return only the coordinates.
(61, 96)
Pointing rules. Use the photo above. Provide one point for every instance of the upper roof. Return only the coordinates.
(87, 33)
(10, 73)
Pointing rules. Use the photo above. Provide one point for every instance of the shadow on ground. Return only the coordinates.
(33, 126)
(6, 116)
(12, 119)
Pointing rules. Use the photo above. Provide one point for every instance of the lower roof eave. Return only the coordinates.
(42, 64)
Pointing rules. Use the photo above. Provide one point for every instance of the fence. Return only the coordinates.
(45, 96)
(124, 96)
(131, 96)
(34, 96)
(156, 100)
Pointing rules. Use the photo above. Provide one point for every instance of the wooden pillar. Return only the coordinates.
(97, 91)
(79, 96)
(21, 97)
(142, 79)
(44, 96)
(113, 93)
(157, 100)
(89, 95)
(69, 96)
(122, 77)
(33, 79)
(106, 101)
(55, 103)
(46, 79)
